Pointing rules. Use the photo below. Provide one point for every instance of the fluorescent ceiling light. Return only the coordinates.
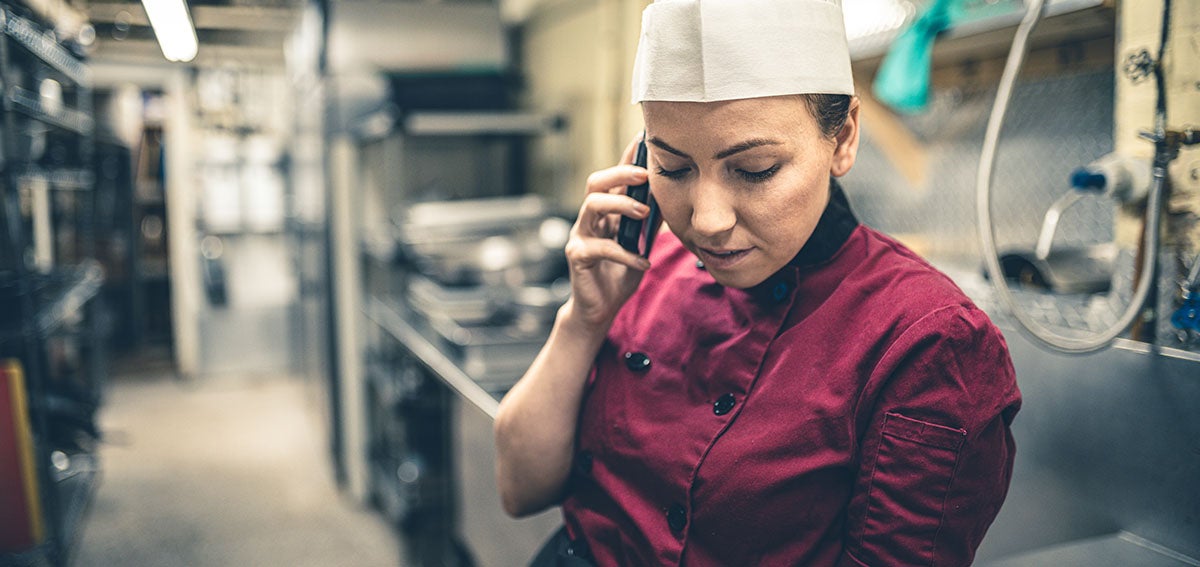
(173, 28)
(868, 17)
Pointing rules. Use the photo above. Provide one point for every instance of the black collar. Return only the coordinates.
(833, 229)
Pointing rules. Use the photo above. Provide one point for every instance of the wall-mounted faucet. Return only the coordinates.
(1117, 176)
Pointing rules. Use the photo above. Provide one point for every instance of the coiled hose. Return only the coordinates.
(983, 185)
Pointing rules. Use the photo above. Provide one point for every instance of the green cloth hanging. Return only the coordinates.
(903, 78)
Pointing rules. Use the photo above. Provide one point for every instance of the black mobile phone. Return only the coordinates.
(633, 234)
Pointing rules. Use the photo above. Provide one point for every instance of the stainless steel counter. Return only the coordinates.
(393, 318)
(490, 535)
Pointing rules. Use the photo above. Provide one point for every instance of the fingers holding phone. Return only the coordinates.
(630, 218)
(593, 237)
(610, 182)
(603, 273)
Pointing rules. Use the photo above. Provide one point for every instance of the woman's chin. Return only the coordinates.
(738, 278)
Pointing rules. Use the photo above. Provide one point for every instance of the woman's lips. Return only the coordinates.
(722, 258)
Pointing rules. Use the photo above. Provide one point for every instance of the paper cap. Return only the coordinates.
(710, 50)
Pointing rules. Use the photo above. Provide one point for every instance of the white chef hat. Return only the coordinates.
(709, 50)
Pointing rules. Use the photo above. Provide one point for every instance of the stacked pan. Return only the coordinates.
(490, 275)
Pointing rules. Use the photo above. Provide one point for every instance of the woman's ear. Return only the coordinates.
(847, 143)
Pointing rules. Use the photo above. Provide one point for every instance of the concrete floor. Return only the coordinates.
(227, 472)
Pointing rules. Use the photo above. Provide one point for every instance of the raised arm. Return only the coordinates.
(535, 428)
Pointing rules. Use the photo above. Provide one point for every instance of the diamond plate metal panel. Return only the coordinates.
(1055, 125)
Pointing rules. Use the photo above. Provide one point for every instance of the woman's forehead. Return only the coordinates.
(753, 115)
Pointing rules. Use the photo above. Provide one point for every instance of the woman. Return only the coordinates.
(777, 384)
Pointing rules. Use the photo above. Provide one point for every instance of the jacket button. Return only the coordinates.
(578, 548)
(676, 518)
(724, 404)
(637, 362)
(583, 463)
(780, 292)
(699, 264)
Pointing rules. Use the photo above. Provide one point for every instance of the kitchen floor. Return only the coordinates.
(229, 471)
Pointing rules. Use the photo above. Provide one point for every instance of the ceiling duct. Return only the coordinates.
(409, 38)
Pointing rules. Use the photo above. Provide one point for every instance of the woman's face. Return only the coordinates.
(742, 183)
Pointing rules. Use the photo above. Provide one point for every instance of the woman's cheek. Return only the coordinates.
(790, 205)
(673, 206)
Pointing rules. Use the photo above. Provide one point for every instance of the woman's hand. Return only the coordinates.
(603, 274)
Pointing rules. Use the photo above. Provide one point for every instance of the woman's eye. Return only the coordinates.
(759, 176)
(673, 173)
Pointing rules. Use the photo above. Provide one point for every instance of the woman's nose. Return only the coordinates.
(712, 213)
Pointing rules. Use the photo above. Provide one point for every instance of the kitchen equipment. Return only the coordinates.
(492, 275)
(496, 241)
(1086, 269)
(494, 356)
(467, 305)
(534, 307)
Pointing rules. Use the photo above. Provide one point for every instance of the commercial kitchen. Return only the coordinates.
(268, 267)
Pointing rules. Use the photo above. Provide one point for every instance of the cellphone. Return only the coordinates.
(636, 235)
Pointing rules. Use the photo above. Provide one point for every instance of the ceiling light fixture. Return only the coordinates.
(173, 28)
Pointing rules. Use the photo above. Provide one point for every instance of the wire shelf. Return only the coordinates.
(30, 104)
(43, 46)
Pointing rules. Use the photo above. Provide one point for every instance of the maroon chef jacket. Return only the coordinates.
(853, 409)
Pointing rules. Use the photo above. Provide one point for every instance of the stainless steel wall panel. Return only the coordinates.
(1105, 443)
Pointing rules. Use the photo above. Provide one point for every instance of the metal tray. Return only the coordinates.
(493, 356)
(501, 241)
(467, 305)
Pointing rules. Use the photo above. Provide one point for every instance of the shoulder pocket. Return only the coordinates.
(913, 469)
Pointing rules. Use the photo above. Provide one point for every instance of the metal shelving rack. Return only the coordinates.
(415, 389)
(49, 299)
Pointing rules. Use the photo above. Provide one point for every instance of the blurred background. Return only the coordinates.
(267, 266)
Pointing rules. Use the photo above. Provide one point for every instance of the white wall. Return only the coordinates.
(578, 60)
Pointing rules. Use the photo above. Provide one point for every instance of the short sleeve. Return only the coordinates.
(936, 452)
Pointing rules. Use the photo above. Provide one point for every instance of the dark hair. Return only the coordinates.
(830, 110)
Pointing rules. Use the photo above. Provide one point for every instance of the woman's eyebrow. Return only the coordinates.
(743, 146)
(737, 148)
(667, 147)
